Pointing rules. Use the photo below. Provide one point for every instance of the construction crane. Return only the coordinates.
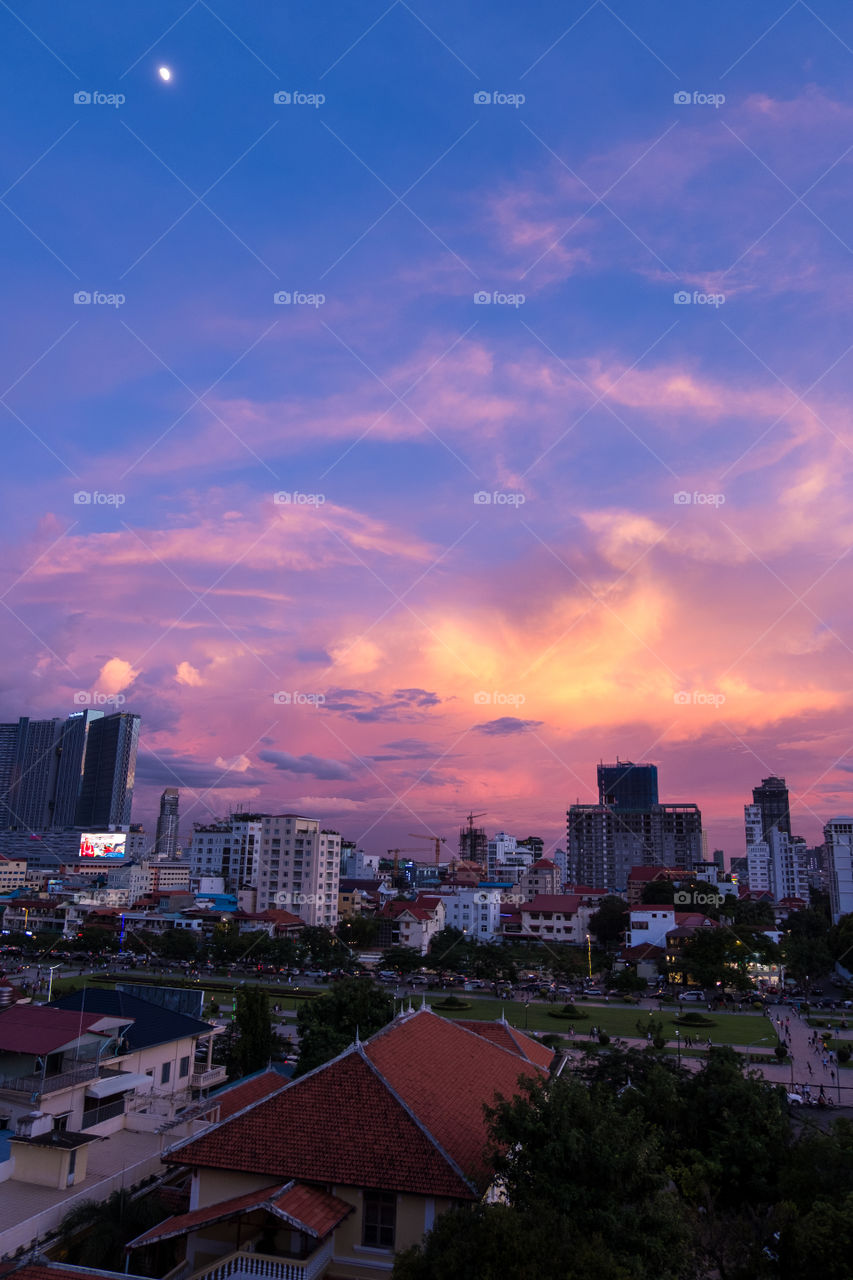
(396, 853)
(469, 818)
(439, 841)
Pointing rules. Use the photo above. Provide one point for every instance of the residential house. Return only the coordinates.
(344, 1167)
(542, 877)
(411, 923)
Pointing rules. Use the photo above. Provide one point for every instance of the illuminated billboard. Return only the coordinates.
(103, 844)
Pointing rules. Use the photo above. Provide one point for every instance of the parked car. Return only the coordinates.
(695, 996)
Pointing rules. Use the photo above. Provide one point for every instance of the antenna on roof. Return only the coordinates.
(357, 1041)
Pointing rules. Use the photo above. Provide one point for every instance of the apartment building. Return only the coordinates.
(300, 868)
(229, 849)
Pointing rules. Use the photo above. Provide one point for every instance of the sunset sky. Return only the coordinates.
(440, 652)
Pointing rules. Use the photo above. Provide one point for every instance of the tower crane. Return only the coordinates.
(437, 840)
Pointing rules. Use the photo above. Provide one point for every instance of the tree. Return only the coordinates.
(97, 939)
(179, 944)
(95, 1232)
(806, 951)
(252, 1041)
(451, 949)
(321, 945)
(359, 931)
(328, 1024)
(609, 922)
(403, 959)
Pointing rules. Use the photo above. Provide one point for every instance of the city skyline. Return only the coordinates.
(407, 410)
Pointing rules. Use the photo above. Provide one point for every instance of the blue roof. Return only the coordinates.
(153, 1024)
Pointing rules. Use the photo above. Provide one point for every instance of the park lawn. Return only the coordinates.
(729, 1028)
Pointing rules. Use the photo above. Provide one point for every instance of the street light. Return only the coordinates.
(589, 953)
(50, 980)
(678, 1044)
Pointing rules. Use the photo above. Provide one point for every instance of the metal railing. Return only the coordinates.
(39, 1083)
(108, 1111)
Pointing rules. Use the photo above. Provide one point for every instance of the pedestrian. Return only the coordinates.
(809, 1065)
(709, 1042)
(832, 1076)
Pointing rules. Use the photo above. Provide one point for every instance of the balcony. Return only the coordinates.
(39, 1083)
(259, 1266)
(206, 1079)
(106, 1111)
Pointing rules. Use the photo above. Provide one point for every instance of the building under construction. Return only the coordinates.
(473, 844)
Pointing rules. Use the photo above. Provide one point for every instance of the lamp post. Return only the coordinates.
(589, 954)
(678, 1044)
(51, 970)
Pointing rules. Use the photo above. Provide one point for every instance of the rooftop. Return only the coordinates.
(36, 1029)
(152, 1023)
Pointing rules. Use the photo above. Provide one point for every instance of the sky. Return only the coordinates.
(406, 406)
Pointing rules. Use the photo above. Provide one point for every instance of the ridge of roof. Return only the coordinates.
(420, 1124)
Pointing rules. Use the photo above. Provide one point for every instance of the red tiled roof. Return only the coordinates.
(246, 1092)
(567, 903)
(652, 873)
(307, 1209)
(30, 1028)
(645, 951)
(543, 864)
(501, 1033)
(339, 1124)
(653, 906)
(421, 1055)
(57, 1271)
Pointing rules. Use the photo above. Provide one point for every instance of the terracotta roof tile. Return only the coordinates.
(338, 1124)
(315, 1210)
(246, 1092)
(509, 1038)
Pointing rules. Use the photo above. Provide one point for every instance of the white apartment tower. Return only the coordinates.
(838, 839)
(300, 868)
(776, 863)
(228, 849)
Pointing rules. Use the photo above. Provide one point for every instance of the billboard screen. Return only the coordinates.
(103, 844)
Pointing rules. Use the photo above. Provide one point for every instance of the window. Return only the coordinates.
(165, 1073)
(380, 1217)
(184, 1068)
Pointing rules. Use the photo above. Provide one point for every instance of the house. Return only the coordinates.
(338, 1170)
(644, 960)
(172, 1050)
(411, 923)
(558, 917)
(639, 877)
(542, 877)
(275, 922)
(653, 923)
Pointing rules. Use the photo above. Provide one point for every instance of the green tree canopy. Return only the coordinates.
(328, 1024)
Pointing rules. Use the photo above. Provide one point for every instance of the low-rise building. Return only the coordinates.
(411, 924)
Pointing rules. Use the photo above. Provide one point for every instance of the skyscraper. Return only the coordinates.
(838, 841)
(29, 762)
(167, 824)
(106, 794)
(626, 785)
(772, 799)
(72, 764)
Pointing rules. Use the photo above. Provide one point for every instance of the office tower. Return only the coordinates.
(167, 824)
(300, 868)
(106, 793)
(229, 849)
(29, 763)
(772, 799)
(73, 747)
(838, 845)
(626, 785)
(497, 851)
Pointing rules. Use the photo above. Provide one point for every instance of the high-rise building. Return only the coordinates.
(73, 748)
(497, 850)
(166, 845)
(776, 863)
(626, 785)
(230, 849)
(473, 843)
(29, 762)
(772, 799)
(300, 868)
(838, 844)
(106, 793)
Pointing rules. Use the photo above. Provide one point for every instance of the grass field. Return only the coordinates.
(730, 1028)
